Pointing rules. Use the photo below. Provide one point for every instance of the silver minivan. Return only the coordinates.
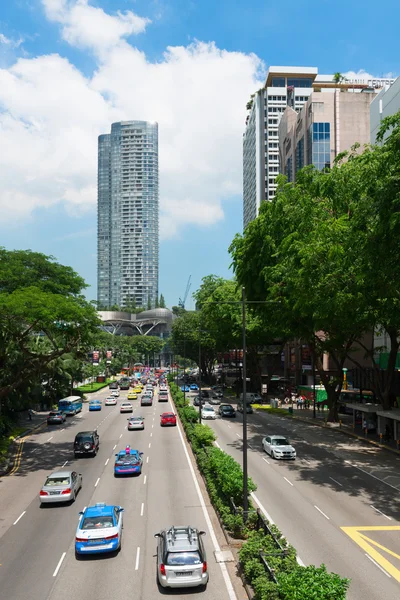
(181, 558)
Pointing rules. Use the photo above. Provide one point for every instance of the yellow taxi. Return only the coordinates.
(132, 395)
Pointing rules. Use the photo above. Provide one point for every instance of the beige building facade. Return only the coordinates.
(331, 121)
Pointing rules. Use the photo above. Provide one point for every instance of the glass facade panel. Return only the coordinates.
(300, 154)
(278, 82)
(319, 145)
(300, 82)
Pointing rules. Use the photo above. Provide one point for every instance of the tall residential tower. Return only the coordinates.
(127, 238)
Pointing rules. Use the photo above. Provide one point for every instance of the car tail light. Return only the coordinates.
(80, 540)
(111, 537)
(66, 491)
(43, 493)
(162, 569)
(204, 567)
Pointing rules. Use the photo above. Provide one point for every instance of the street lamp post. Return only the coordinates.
(245, 482)
(313, 370)
(200, 404)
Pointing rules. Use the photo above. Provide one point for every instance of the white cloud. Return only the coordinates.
(86, 26)
(51, 115)
(10, 43)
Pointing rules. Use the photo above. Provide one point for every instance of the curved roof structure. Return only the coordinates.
(133, 324)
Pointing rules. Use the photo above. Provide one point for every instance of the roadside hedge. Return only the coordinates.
(224, 479)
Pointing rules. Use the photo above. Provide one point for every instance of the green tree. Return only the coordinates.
(39, 297)
(161, 303)
(149, 303)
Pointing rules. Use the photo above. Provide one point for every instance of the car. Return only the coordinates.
(257, 398)
(137, 390)
(205, 394)
(61, 486)
(135, 423)
(110, 401)
(194, 387)
(128, 463)
(113, 385)
(185, 388)
(94, 405)
(115, 393)
(163, 396)
(196, 401)
(99, 529)
(125, 407)
(207, 412)
(86, 442)
(181, 558)
(249, 408)
(167, 418)
(214, 400)
(226, 410)
(132, 396)
(55, 417)
(146, 400)
(278, 447)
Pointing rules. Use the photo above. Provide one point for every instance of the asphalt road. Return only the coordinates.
(337, 504)
(37, 544)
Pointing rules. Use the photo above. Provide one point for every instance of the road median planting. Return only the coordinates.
(267, 561)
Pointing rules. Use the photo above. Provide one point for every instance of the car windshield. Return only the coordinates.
(280, 442)
(183, 558)
(57, 481)
(208, 408)
(55, 414)
(97, 522)
(226, 407)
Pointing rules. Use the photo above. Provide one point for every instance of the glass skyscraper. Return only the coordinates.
(127, 238)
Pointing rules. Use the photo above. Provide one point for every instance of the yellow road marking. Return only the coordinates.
(21, 441)
(355, 533)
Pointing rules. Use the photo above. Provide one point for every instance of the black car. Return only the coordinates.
(113, 385)
(205, 394)
(86, 442)
(196, 401)
(227, 410)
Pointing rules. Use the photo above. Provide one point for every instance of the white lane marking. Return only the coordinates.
(266, 514)
(152, 426)
(106, 463)
(238, 435)
(20, 517)
(381, 513)
(97, 482)
(151, 435)
(137, 559)
(289, 482)
(147, 459)
(115, 446)
(62, 429)
(229, 426)
(224, 571)
(66, 462)
(142, 510)
(379, 566)
(120, 436)
(33, 451)
(145, 479)
(150, 445)
(50, 438)
(300, 562)
(370, 474)
(322, 513)
(251, 447)
(338, 482)
(307, 461)
(267, 461)
(59, 564)
(216, 444)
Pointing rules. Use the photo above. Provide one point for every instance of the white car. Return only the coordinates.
(278, 446)
(135, 423)
(125, 407)
(208, 412)
(110, 401)
(115, 393)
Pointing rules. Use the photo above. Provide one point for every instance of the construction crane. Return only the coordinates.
(181, 302)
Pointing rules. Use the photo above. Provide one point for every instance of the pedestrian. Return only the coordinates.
(30, 412)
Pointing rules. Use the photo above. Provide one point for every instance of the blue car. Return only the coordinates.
(95, 405)
(99, 529)
(185, 388)
(194, 387)
(128, 464)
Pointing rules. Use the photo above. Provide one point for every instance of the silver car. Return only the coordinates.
(181, 558)
(278, 447)
(135, 423)
(61, 486)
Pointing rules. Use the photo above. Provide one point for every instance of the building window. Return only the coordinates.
(278, 82)
(300, 82)
(319, 145)
(300, 154)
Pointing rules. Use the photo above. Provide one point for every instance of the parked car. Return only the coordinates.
(278, 447)
(61, 486)
(56, 417)
(86, 442)
(181, 558)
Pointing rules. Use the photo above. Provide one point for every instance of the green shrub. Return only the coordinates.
(312, 583)
(265, 589)
(202, 435)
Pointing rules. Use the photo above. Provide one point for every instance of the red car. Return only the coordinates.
(168, 418)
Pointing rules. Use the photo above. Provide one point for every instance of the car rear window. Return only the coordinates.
(57, 481)
(84, 438)
(97, 522)
(183, 558)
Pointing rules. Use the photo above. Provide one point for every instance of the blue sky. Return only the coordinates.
(64, 78)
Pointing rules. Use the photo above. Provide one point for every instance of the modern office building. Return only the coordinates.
(386, 103)
(128, 215)
(284, 87)
(328, 124)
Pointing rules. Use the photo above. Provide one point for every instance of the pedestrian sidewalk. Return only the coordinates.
(38, 418)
